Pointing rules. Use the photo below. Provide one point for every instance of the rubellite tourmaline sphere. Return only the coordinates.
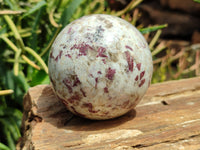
(100, 66)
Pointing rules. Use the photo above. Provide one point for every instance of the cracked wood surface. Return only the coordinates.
(168, 117)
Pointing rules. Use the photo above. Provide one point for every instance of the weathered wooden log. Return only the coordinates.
(168, 117)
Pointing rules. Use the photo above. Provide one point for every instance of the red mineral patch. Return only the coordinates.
(76, 80)
(138, 66)
(142, 74)
(63, 101)
(142, 82)
(96, 80)
(83, 92)
(136, 78)
(75, 97)
(99, 72)
(83, 48)
(128, 47)
(67, 83)
(70, 82)
(69, 31)
(104, 61)
(63, 46)
(106, 90)
(91, 75)
(125, 104)
(57, 57)
(110, 73)
(77, 113)
(129, 59)
(68, 55)
(101, 51)
(90, 107)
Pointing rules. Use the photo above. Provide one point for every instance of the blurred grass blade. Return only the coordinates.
(51, 19)
(34, 37)
(8, 111)
(129, 7)
(155, 39)
(69, 11)
(34, 8)
(51, 42)
(6, 92)
(15, 30)
(7, 134)
(12, 4)
(21, 80)
(16, 63)
(13, 128)
(4, 147)
(10, 43)
(41, 61)
(151, 29)
(30, 62)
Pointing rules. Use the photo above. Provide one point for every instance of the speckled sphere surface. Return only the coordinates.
(100, 66)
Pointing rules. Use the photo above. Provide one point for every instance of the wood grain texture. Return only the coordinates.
(168, 117)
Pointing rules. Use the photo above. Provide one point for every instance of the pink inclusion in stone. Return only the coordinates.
(129, 59)
(83, 48)
(138, 66)
(128, 47)
(142, 82)
(57, 57)
(101, 50)
(136, 78)
(142, 74)
(105, 90)
(110, 73)
(104, 61)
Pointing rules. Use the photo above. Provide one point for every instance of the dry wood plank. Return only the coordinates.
(168, 117)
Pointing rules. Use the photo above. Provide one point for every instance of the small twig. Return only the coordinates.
(135, 16)
(159, 48)
(194, 47)
(181, 65)
(155, 39)
(129, 7)
(190, 69)
(158, 60)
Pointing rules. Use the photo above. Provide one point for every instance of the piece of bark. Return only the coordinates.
(168, 117)
(179, 24)
(187, 6)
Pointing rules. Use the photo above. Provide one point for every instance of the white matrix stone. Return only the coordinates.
(100, 66)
